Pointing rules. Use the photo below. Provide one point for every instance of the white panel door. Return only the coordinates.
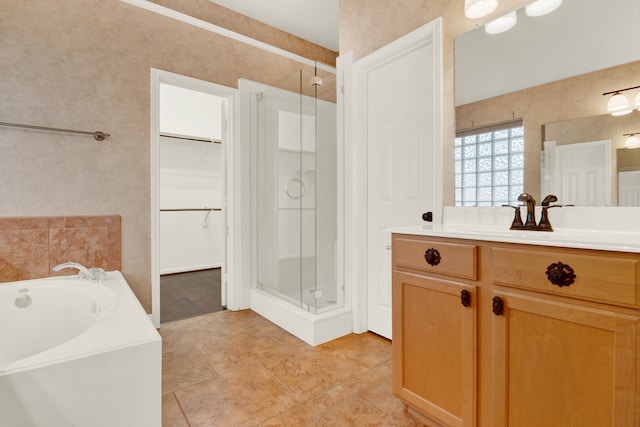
(402, 163)
(629, 188)
(582, 174)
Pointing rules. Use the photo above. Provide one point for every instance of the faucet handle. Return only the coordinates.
(517, 218)
(544, 224)
(549, 199)
(97, 274)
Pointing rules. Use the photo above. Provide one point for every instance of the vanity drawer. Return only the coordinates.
(599, 276)
(451, 259)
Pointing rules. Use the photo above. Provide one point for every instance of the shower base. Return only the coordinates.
(314, 329)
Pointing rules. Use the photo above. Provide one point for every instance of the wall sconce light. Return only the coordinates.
(618, 104)
(541, 7)
(632, 140)
(502, 24)
(474, 9)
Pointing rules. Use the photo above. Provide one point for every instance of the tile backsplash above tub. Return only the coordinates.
(31, 246)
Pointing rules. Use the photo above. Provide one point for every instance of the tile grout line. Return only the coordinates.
(184, 414)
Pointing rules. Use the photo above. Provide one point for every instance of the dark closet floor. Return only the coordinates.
(191, 294)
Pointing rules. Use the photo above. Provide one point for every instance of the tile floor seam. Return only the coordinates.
(209, 362)
(326, 392)
(333, 387)
(302, 402)
(298, 397)
(192, 385)
(374, 406)
(184, 414)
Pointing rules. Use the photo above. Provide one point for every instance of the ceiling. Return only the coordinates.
(312, 20)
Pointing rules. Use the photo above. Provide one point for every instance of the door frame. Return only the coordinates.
(228, 131)
(357, 154)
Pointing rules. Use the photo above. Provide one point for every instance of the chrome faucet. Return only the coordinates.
(94, 274)
(530, 223)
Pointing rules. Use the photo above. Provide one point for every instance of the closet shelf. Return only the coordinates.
(191, 210)
(191, 138)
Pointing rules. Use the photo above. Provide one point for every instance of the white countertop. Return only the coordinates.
(627, 241)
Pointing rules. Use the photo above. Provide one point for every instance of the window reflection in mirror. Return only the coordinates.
(489, 164)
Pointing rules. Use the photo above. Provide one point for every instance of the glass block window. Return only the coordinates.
(489, 165)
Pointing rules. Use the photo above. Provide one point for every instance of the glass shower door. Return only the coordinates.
(297, 195)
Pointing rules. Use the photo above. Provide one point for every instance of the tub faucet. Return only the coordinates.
(530, 223)
(94, 274)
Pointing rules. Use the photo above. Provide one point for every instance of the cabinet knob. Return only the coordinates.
(560, 274)
(498, 306)
(432, 256)
(465, 298)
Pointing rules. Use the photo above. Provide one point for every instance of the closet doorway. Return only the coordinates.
(190, 135)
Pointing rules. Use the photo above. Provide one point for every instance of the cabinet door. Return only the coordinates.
(434, 348)
(559, 364)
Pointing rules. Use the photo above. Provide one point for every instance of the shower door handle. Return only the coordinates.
(302, 188)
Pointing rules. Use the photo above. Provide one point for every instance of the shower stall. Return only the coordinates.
(297, 215)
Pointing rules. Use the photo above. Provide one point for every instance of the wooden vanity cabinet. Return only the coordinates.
(434, 330)
(524, 352)
(564, 355)
(562, 364)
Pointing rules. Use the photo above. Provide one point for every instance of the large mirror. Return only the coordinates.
(550, 72)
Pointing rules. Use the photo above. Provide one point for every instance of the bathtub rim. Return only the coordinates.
(127, 318)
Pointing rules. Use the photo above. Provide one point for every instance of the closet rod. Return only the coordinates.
(191, 138)
(97, 135)
(189, 210)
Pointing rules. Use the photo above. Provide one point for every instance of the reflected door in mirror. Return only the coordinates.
(581, 173)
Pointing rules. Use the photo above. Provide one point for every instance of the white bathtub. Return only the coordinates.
(77, 353)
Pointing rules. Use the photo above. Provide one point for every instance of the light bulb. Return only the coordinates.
(638, 101)
(542, 7)
(632, 142)
(502, 24)
(474, 9)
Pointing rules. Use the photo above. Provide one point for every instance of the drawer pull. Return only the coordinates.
(465, 298)
(432, 256)
(560, 274)
(498, 306)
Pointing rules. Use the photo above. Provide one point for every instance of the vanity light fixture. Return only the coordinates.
(542, 7)
(502, 24)
(475, 9)
(632, 140)
(618, 104)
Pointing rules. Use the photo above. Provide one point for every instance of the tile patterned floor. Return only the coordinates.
(236, 369)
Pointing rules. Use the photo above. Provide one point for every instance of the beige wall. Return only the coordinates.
(85, 64)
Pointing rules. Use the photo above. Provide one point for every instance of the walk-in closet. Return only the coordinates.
(191, 202)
